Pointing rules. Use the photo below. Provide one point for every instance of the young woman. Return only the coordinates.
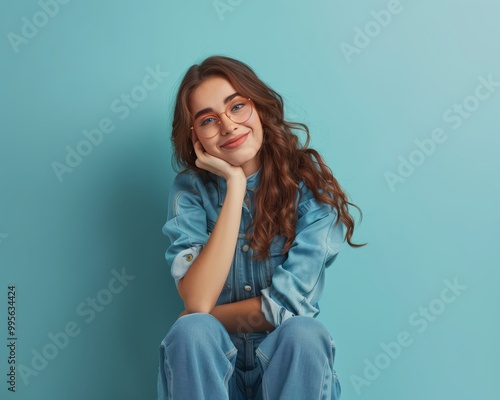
(254, 220)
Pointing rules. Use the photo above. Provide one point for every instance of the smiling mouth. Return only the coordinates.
(235, 142)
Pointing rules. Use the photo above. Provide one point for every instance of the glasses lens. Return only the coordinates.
(239, 110)
(207, 125)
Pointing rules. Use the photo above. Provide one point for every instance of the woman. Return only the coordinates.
(254, 220)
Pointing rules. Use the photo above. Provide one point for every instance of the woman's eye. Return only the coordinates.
(238, 106)
(207, 121)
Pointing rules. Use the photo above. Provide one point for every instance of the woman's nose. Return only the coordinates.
(226, 125)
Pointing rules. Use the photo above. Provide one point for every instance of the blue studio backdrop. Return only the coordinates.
(402, 98)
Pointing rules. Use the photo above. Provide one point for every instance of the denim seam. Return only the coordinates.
(263, 359)
(231, 352)
(322, 394)
(265, 395)
(262, 356)
(336, 382)
(230, 369)
(168, 373)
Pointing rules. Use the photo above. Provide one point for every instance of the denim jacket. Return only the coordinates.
(290, 284)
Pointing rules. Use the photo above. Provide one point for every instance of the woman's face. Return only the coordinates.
(237, 144)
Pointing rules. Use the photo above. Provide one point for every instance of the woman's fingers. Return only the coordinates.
(198, 148)
(213, 164)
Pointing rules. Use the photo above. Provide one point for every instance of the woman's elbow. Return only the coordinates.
(197, 308)
(194, 304)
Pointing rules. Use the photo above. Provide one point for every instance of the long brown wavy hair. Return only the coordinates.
(284, 160)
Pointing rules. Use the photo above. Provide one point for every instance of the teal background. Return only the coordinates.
(60, 241)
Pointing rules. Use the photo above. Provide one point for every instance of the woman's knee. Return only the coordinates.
(194, 328)
(306, 330)
(299, 339)
(302, 323)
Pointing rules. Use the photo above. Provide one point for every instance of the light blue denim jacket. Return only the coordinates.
(290, 284)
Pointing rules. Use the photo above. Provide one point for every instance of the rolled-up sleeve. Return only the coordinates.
(186, 225)
(298, 283)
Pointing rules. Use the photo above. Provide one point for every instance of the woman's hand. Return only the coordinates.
(214, 164)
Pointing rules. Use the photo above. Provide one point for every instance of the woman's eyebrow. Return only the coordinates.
(209, 109)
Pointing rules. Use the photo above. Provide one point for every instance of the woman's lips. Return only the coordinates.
(235, 142)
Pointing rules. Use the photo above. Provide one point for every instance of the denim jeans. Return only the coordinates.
(200, 360)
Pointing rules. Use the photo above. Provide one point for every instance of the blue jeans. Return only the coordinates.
(200, 360)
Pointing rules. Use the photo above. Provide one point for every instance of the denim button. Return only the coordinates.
(248, 288)
(245, 247)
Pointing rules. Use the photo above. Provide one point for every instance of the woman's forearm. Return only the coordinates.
(201, 286)
(242, 316)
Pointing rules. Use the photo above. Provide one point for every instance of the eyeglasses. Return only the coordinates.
(238, 110)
